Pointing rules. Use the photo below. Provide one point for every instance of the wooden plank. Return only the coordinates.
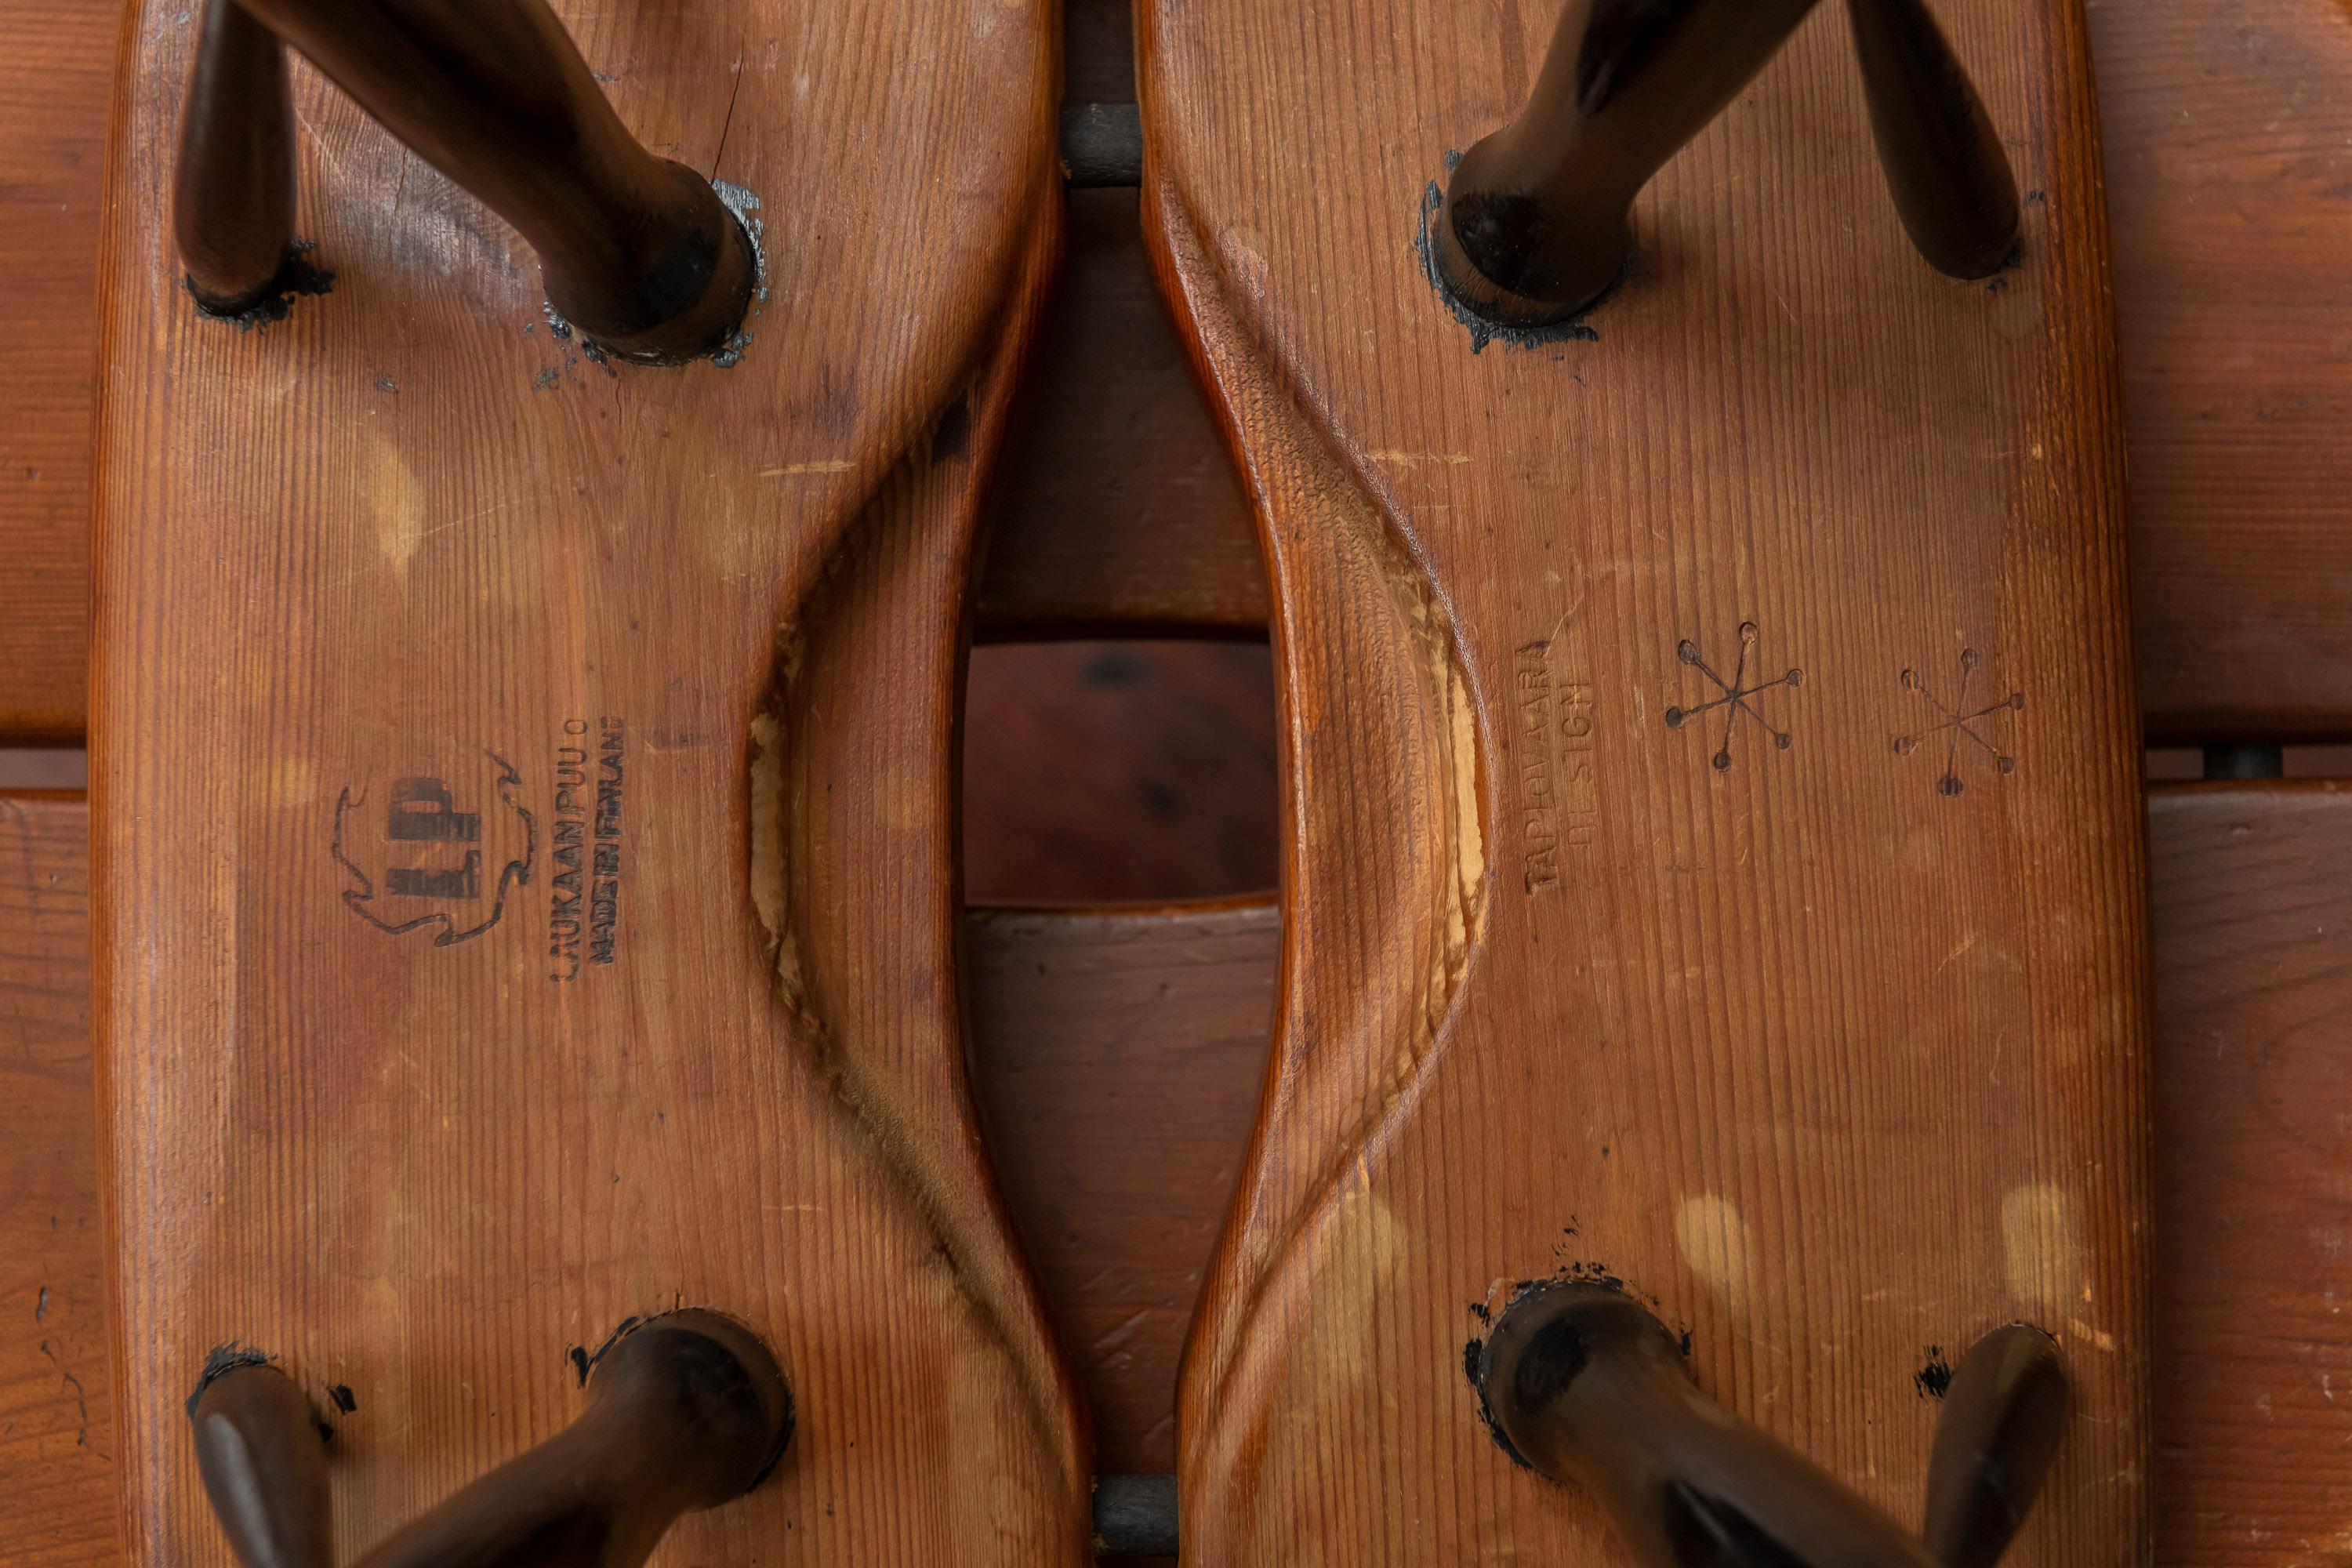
(2228, 134)
(1120, 1056)
(1120, 513)
(54, 76)
(2253, 1173)
(683, 647)
(1836, 1051)
(1119, 772)
(57, 1438)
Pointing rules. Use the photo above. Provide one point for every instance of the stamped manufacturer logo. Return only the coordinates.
(439, 851)
(584, 911)
(1558, 796)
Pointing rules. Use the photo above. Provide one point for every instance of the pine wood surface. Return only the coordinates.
(1833, 1064)
(410, 552)
(2226, 153)
(1117, 1056)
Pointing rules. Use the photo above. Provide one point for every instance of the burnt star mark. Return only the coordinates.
(1957, 722)
(1737, 696)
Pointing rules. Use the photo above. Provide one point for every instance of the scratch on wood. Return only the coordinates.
(81, 1395)
(727, 125)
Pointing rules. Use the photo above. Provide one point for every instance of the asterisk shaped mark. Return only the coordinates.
(1735, 696)
(1959, 720)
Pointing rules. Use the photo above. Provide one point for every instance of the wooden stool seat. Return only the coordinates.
(558, 927)
(1713, 859)
(2246, 877)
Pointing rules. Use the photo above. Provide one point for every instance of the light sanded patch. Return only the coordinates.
(2041, 1257)
(1716, 1244)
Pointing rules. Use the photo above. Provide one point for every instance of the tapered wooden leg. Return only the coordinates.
(638, 251)
(1535, 226)
(685, 1413)
(1942, 158)
(1536, 220)
(232, 202)
(1592, 1389)
(262, 1453)
(2003, 1418)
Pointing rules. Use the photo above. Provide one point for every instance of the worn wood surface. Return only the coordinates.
(675, 654)
(2226, 150)
(1117, 1056)
(57, 1429)
(2228, 133)
(1834, 1062)
(54, 80)
(2254, 1117)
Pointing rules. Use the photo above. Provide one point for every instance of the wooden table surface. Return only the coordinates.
(2228, 149)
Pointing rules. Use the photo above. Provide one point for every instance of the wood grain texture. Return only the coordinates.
(54, 76)
(1101, 773)
(1120, 509)
(2229, 308)
(2254, 1174)
(1117, 1056)
(2229, 133)
(57, 1438)
(1834, 1064)
(674, 654)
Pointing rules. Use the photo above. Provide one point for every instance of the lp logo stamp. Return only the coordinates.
(437, 850)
